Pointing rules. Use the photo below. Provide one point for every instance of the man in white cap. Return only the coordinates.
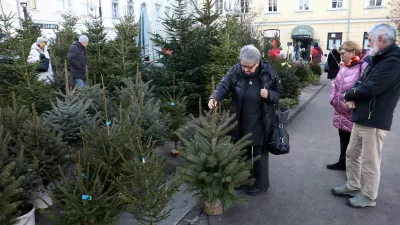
(40, 54)
(78, 61)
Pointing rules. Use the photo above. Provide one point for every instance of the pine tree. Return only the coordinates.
(137, 100)
(65, 36)
(225, 54)
(124, 51)
(182, 63)
(9, 185)
(10, 189)
(174, 106)
(84, 198)
(46, 145)
(97, 49)
(213, 165)
(69, 115)
(144, 187)
(27, 34)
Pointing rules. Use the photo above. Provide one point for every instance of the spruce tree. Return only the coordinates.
(174, 106)
(46, 145)
(97, 49)
(214, 165)
(9, 185)
(181, 63)
(84, 197)
(65, 36)
(27, 34)
(69, 115)
(124, 51)
(145, 188)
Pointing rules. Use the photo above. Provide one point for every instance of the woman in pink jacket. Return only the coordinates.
(349, 73)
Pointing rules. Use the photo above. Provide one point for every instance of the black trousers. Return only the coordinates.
(260, 167)
(344, 142)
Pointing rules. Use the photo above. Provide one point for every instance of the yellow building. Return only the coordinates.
(328, 22)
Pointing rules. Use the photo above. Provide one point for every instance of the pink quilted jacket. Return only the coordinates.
(344, 80)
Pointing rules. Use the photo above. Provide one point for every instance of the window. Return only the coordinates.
(375, 3)
(272, 5)
(130, 8)
(32, 4)
(115, 11)
(219, 6)
(337, 4)
(244, 6)
(334, 38)
(365, 41)
(304, 5)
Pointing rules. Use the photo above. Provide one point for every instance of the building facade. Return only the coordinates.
(300, 23)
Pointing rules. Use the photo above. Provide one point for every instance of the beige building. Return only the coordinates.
(328, 22)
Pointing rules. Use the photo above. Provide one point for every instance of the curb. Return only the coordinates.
(302, 107)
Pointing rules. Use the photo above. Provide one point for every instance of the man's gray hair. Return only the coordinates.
(250, 54)
(386, 31)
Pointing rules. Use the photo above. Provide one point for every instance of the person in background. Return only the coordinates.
(333, 63)
(39, 53)
(316, 54)
(373, 99)
(78, 61)
(348, 75)
(255, 88)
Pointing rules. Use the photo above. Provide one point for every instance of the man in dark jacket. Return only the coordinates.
(373, 100)
(255, 88)
(78, 61)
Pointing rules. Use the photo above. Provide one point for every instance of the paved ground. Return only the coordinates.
(300, 183)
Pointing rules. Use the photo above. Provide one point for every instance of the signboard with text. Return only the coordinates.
(47, 26)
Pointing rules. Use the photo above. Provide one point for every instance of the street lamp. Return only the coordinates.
(24, 5)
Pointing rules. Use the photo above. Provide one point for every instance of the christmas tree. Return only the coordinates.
(137, 99)
(124, 51)
(214, 165)
(145, 188)
(174, 106)
(46, 145)
(226, 54)
(180, 54)
(9, 185)
(70, 115)
(97, 49)
(65, 36)
(84, 198)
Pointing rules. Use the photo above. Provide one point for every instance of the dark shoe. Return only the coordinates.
(337, 166)
(254, 190)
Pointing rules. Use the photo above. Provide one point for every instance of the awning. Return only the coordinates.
(302, 31)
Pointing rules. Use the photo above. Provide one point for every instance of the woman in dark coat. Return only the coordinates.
(333, 63)
(255, 88)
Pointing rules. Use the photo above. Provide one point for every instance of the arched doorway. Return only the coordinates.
(302, 38)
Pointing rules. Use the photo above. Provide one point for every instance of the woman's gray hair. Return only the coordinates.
(386, 31)
(250, 54)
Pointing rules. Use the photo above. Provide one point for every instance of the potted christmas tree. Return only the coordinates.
(214, 166)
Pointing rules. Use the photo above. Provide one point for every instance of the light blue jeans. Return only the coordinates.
(79, 83)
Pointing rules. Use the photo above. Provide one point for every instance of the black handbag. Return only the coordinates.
(278, 140)
(44, 63)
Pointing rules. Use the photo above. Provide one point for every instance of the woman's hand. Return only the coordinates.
(212, 104)
(264, 93)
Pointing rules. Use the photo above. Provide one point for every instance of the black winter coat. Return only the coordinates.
(77, 61)
(333, 60)
(377, 91)
(233, 83)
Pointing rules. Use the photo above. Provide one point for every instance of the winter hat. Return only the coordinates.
(316, 44)
(40, 40)
(83, 38)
